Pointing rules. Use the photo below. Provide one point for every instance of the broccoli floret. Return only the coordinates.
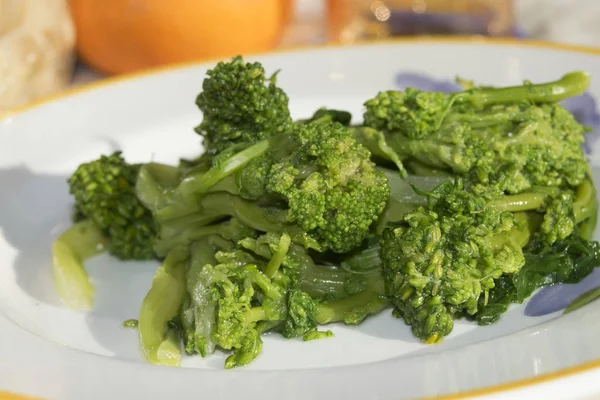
(517, 134)
(520, 145)
(332, 188)
(559, 218)
(104, 192)
(223, 299)
(240, 105)
(335, 278)
(416, 114)
(443, 259)
(320, 178)
(301, 315)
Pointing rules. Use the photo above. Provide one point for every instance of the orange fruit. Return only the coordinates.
(287, 9)
(118, 36)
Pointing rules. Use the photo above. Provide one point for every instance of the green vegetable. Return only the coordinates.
(517, 137)
(567, 261)
(240, 105)
(583, 300)
(329, 115)
(131, 324)
(160, 305)
(314, 335)
(104, 192)
(442, 260)
(440, 206)
(417, 114)
(332, 192)
(69, 251)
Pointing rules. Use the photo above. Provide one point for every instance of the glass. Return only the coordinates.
(352, 20)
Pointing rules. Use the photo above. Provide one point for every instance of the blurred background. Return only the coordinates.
(48, 46)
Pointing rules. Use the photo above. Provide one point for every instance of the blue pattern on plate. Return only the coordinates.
(584, 108)
(555, 298)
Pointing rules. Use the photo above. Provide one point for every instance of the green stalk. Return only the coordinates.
(164, 244)
(222, 204)
(569, 85)
(585, 204)
(168, 352)
(527, 223)
(319, 281)
(278, 256)
(254, 315)
(418, 168)
(368, 301)
(259, 279)
(153, 181)
(519, 202)
(195, 185)
(199, 316)
(78, 243)
(161, 304)
(376, 143)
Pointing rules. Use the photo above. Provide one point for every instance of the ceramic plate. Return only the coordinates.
(49, 351)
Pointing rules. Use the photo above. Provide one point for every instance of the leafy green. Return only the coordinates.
(566, 261)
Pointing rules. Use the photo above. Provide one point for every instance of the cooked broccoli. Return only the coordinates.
(81, 241)
(240, 105)
(416, 114)
(319, 181)
(237, 292)
(566, 261)
(440, 260)
(104, 192)
(445, 259)
(439, 206)
(516, 133)
(330, 115)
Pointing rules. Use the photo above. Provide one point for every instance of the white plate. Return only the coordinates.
(49, 351)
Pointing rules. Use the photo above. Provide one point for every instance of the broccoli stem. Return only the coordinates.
(78, 243)
(364, 303)
(163, 245)
(269, 289)
(255, 314)
(199, 317)
(195, 185)
(161, 304)
(320, 281)
(215, 206)
(569, 85)
(168, 352)
(585, 205)
(433, 153)
(152, 181)
(527, 224)
(376, 143)
(278, 256)
(418, 168)
(265, 326)
(364, 262)
(519, 202)
(228, 184)
(222, 204)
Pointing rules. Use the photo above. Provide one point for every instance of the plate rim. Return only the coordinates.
(503, 388)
